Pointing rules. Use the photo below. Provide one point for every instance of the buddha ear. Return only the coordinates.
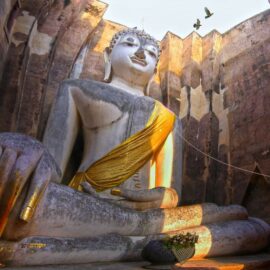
(108, 65)
(147, 88)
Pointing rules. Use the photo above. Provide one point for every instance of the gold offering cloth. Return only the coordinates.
(127, 158)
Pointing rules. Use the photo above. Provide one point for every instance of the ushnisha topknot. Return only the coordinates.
(139, 33)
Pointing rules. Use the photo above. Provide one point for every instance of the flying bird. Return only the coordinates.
(208, 13)
(197, 25)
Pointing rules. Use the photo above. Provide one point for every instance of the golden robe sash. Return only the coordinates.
(128, 157)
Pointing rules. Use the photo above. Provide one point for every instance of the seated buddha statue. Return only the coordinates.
(123, 130)
(131, 161)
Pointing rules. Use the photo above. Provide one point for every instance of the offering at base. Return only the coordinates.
(179, 247)
(180, 241)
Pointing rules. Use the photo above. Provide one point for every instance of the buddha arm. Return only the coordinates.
(164, 160)
(62, 127)
(169, 160)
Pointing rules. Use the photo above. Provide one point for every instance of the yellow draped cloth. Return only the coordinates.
(128, 157)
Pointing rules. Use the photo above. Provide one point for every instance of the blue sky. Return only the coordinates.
(178, 16)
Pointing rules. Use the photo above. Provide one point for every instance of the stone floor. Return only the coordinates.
(253, 262)
(92, 266)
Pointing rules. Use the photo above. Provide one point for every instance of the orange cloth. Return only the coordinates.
(127, 158)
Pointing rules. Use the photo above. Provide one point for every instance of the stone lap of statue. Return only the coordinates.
(50, 223)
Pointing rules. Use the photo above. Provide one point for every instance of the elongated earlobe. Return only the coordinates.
(108, 65)
(147, 88)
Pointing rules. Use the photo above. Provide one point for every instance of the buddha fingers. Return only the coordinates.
(39, 182)
(7, 161)
(146, 195)
(15, 171)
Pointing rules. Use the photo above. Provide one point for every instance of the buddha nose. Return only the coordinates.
(140, 53)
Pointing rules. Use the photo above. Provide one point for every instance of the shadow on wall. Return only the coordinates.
(8, 13)
(257, 197)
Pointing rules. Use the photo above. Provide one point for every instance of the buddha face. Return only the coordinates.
(134, 59)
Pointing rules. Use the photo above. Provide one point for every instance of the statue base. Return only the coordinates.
(221, 239)
(251, 262)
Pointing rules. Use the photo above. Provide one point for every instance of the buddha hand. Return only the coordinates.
(23, 159)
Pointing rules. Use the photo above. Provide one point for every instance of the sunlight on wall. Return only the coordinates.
(171, 57)
(196, 54)
(217, 43)
(107, 33)
(97, 10)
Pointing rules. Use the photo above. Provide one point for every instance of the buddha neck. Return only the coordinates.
(127, 87)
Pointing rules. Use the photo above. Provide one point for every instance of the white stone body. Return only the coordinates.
(107, 116)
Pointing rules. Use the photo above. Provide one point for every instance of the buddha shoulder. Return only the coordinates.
(99, 91)
(94, 90)
(100, 104)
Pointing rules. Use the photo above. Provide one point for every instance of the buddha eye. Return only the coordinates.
(152, 54)
(129, 43)
(151, 50)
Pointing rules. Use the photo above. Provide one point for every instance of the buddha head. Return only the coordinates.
(132, 58)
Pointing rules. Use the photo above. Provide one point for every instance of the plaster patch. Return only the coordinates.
(217, 102)
(222, 114)
(39, 43)
(183, 103)
(79, 64)
(22, 25)
(224, 136)
(199, 103)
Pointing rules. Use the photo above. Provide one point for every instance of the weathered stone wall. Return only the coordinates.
(3, 39)
(45, 41)
(217, 84)
(7, 10)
